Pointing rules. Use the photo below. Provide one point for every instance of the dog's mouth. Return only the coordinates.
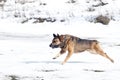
(54, 46)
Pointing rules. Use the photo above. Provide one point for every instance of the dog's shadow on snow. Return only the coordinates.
(55, 62)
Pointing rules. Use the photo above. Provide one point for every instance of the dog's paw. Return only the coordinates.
(112, 61)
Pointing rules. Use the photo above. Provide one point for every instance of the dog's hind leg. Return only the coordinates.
(102, 53)
(105, 55)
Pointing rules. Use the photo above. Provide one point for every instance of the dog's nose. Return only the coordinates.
(50, 45)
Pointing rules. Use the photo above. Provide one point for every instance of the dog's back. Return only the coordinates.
(81, 45)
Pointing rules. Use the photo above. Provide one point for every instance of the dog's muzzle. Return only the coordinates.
(54, 46)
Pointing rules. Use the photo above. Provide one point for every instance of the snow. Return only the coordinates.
(20, 10)
(24, 48)
(25, 52)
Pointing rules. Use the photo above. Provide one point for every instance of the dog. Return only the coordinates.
(74, 44)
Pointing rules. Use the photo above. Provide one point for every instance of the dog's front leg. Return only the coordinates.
(70, 52)
(67, 57)
(57, 56)
(60, 53)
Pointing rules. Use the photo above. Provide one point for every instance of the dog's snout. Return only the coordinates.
(50, 45)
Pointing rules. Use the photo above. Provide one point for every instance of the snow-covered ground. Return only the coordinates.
(25, 52)
(24, 48)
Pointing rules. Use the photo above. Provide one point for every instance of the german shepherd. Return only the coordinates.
(74, 44)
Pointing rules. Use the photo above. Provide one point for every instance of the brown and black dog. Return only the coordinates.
(74, 44)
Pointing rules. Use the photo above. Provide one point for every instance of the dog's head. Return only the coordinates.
(56, 42)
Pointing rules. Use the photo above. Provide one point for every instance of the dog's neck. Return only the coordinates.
(64, 42)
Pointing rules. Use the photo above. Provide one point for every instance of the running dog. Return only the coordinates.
(73, 44)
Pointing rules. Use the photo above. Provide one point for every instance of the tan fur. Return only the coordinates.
(95, 48)
(73, 44)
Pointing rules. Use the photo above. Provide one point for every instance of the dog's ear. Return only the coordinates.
(61, 38)
(58, 35)
(54, 35)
